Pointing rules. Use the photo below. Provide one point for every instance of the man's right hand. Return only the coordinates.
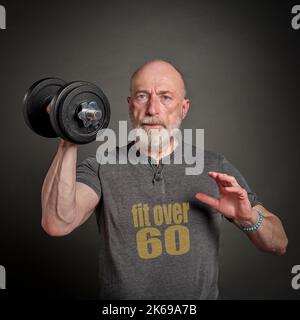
(48, 108)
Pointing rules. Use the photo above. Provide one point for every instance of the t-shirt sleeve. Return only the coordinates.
(87, 172)
(228, 168)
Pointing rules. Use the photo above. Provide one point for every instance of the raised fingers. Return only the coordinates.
(223, 178)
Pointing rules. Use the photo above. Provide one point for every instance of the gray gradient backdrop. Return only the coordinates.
(241, 62)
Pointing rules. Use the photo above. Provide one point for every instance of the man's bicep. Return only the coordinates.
(88, 189)
(86, 201)
(88, 173)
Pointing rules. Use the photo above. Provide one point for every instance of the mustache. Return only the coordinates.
(152, 120)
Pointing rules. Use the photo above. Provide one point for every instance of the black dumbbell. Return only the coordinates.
(78, 110)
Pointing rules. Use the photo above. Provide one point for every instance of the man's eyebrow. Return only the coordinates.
(165, 91)
(141, 91)
(159, 92)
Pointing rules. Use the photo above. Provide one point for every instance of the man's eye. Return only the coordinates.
(166, 98)
(141, 97)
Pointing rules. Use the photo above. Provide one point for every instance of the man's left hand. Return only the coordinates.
(233, 201)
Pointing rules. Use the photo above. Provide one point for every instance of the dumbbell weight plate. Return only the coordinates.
(68, 104)
(35, 102)
(56, 104)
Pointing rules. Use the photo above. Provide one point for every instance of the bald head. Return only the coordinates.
(158, 71)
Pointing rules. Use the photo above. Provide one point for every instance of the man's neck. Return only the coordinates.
(162, 152)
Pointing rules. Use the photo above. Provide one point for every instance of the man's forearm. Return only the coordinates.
(59, 189)
(270, 236)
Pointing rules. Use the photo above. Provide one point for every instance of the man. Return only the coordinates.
(158, 227)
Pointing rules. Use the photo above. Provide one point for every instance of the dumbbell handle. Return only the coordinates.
(89, 111)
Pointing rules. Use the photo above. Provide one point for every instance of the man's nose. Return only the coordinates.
(153, 106)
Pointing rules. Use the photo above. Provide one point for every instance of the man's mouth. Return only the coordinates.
(152, 126)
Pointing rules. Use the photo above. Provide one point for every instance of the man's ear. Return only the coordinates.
(185, 107)
(128, 100)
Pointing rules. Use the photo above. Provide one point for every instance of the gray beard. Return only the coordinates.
(156, 140)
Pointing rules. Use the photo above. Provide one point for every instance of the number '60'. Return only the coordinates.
(149, 244)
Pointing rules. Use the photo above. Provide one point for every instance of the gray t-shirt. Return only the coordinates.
(156, 241)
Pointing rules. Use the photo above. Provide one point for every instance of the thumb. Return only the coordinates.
(207, 199)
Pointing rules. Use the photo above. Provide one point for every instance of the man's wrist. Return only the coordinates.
(64, 144)
(249, 221)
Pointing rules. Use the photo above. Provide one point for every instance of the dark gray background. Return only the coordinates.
(241, 62)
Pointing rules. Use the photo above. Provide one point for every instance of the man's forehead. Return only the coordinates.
(158, 75)
(157, 85)
(160, 83)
